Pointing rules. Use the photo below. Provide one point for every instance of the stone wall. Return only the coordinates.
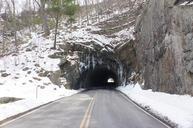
(164, 46)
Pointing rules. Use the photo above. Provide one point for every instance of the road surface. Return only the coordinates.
(89, 109)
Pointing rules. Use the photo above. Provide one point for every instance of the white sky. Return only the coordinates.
(25, 4)
(19, 5)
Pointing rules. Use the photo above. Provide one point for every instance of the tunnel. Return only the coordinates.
(94, 71)
(99, 78)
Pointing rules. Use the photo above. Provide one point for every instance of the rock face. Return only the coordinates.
(78, 66)
(102, 49)
(164, 46)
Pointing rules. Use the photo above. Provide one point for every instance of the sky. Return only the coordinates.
(24, 4)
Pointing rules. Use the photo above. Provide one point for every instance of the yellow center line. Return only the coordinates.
(86, 119)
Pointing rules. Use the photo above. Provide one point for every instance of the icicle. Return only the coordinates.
(120, 74)
(108, 67)
(82, 67)
(88, 61)
(93, 61)
(100, 61)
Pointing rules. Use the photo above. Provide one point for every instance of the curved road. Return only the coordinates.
(89, 109)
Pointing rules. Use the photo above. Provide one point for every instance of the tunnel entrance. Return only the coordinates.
(100, 78)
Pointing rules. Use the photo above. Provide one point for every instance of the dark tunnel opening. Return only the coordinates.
(100, 78)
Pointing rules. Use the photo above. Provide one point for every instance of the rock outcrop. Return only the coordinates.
(164, 46)
(105, 45)
(77, 66)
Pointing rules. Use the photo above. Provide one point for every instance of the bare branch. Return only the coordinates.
(38, 3)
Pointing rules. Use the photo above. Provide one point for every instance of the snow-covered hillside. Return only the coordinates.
(20, 77)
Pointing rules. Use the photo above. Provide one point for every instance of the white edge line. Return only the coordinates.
(127, 98)
(28, 113)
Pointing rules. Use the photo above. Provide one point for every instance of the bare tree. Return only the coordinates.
(42, 7)
(87, 12)
(14, 27)
(1, 28)
(1, 5)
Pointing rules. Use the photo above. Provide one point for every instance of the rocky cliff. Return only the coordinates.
(164, 46)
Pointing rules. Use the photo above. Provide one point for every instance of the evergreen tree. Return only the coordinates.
(59, 8)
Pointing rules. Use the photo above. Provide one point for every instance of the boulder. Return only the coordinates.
(5, 74)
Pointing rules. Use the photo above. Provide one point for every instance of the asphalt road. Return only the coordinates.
(89, 109)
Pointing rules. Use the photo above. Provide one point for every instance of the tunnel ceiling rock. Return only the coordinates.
(83, 61)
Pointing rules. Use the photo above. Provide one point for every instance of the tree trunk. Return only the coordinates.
(56, 30)
(45, 25)
(44, 17)
(14, 25)
(3, 39)
(87, 17)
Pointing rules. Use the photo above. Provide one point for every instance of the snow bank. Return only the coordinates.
(31, 101)
(23, 80)
(178, 109)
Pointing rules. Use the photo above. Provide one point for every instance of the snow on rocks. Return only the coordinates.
(85, 36)
(187, 2)
(176, 108)
(126, 34)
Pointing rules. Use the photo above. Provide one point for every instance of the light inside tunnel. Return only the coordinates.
(110, 80)
(99, 77)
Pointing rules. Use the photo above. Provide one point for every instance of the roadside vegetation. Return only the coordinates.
(5, 100)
